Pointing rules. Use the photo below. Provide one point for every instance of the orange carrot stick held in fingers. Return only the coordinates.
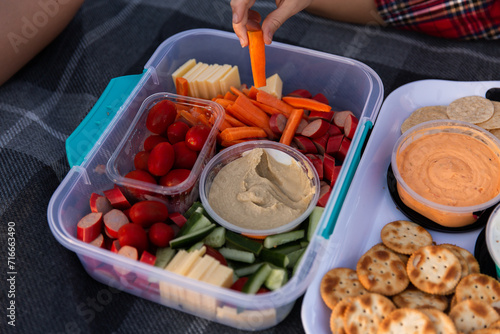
(256, 48)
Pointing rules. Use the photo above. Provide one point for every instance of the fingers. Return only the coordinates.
(275, 19)
(240, 9)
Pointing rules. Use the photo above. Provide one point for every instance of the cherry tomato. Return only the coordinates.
(133, 235)
(197, 136)
(139, 175)
(174, 177)
(141, 160)
(152, 141)
(146, 213)
(160, 116)
(240, 282)
(160, 234)
(176, 132)
(185, 157)
(210, 251)
(161, 159)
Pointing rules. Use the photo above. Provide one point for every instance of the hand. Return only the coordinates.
(244, 18)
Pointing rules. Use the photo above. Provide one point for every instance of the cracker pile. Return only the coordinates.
(409, 284)
(472, 109)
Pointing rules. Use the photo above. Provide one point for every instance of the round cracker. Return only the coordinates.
(473, 109)
(495, 325)
(441, 321)
(405, 237)
(478, 286)
(469, 315)
(494, 121)
(339, 284)
(495, 132)
(380, 270)
(486, 331)
(461, 259)
(406, 320)
(337, 317)
(472, 265)
(415, 298)
(424, 114)
(364, 313)
(434, 269)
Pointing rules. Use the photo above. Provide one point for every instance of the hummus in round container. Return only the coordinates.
(448, 171)
(258, 192)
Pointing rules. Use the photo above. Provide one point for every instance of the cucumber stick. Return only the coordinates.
(195, 222)
(243, 242)
(276, 279)
(187, 240)
(314, 219)
(278, 259)
(163, 256)
(247, 270)
(217, 238)
(283, 238)
(257, 279)
(237, 255)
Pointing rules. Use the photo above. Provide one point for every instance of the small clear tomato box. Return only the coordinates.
(180, 197)
(347, 83)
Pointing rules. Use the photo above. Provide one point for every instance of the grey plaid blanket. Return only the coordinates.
(45, 102)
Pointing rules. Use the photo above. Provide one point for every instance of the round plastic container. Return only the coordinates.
(450, 216)
(492, 235)
(283, 154)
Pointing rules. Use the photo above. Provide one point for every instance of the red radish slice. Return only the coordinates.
(129, 252)
(327, 116)
(301, 93)
(113, 220)
(317, 162)
(305, 144)
(324, 195)
(331, 171)
(321, 143)
(333, 144)
(350, 125)
(344, 147)
(99, 203)
(277, 123)
(340, 117)
(89, 227)
(177, 218)
(116, 198)
(302, 125)
(316, 128)
(321, 98)
(115, 246)
(99, 241)
(148, 258)
(334, 130)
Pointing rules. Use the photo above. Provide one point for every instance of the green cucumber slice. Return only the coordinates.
(190, 239)
(217, 238)
(195, 222)
(276, 279)
(163, 256)
(257, 279)
(314, 219)
(247, 270)
(237, 255)
(243, 242)
(283, 238)
(278, 259)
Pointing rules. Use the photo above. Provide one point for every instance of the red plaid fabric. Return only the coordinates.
(466, 19)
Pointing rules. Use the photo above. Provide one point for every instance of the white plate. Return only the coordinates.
(368, 205)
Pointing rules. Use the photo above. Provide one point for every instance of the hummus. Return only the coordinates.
(258, 192)
(451, 169)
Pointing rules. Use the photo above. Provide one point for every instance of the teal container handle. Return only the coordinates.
(328, 230)
(83, 139)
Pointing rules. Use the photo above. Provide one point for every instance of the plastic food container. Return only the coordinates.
(492, 235)
(180, 197)
(283, 154)
(449, 164)
(349, 84)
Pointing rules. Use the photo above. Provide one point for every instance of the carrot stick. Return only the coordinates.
(188, 117)
(291, 126)
(229, 96)
(305, 103)
(225, 125)
(223, 102)
(236, 133)
(237, 92)
(252, 92)
(233, 121)
(182, 86)
(273, 101)
(259, 118)
(249, 118)
(256, 48)
(268, 109)
(202, 118)
(227, 143)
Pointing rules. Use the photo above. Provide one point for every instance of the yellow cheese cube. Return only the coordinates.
(274, 86)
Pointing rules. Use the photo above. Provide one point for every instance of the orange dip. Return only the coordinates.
(451, 169)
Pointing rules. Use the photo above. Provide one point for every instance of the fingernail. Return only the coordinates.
(242, 42)
(235, 17)
(269, 37)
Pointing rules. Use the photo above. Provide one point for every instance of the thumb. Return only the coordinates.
(276, 18)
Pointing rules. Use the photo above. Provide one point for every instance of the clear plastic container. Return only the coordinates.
(492, 236)
(283, 154)
(349, 84)
(445, 215)
(177, 198)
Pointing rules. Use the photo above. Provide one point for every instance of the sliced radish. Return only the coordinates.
(324, 195)
(89, 227)
(113, 220)
(321, 98)
(340, 117)
(327, 116)
(99, 241)
(116, 198)
(129, 252)
(350, 125)
(305, 144)
(277, 123)
(344, 147)
(331, 170)
(302, 125)
(316, 128)
(321, 143)
(301, 93)
(317, 162)
(99, 203)
(334, 130)
(333, 144)
(177, 218)
(115, 246)
(148, 258)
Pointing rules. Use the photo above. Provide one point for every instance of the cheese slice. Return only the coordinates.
(177, 260)
(201, 267)
(181, 71)
(222, 276)
(191, 77)
(201, 81)
(231, 78)
(213, 82)
(274, 86)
